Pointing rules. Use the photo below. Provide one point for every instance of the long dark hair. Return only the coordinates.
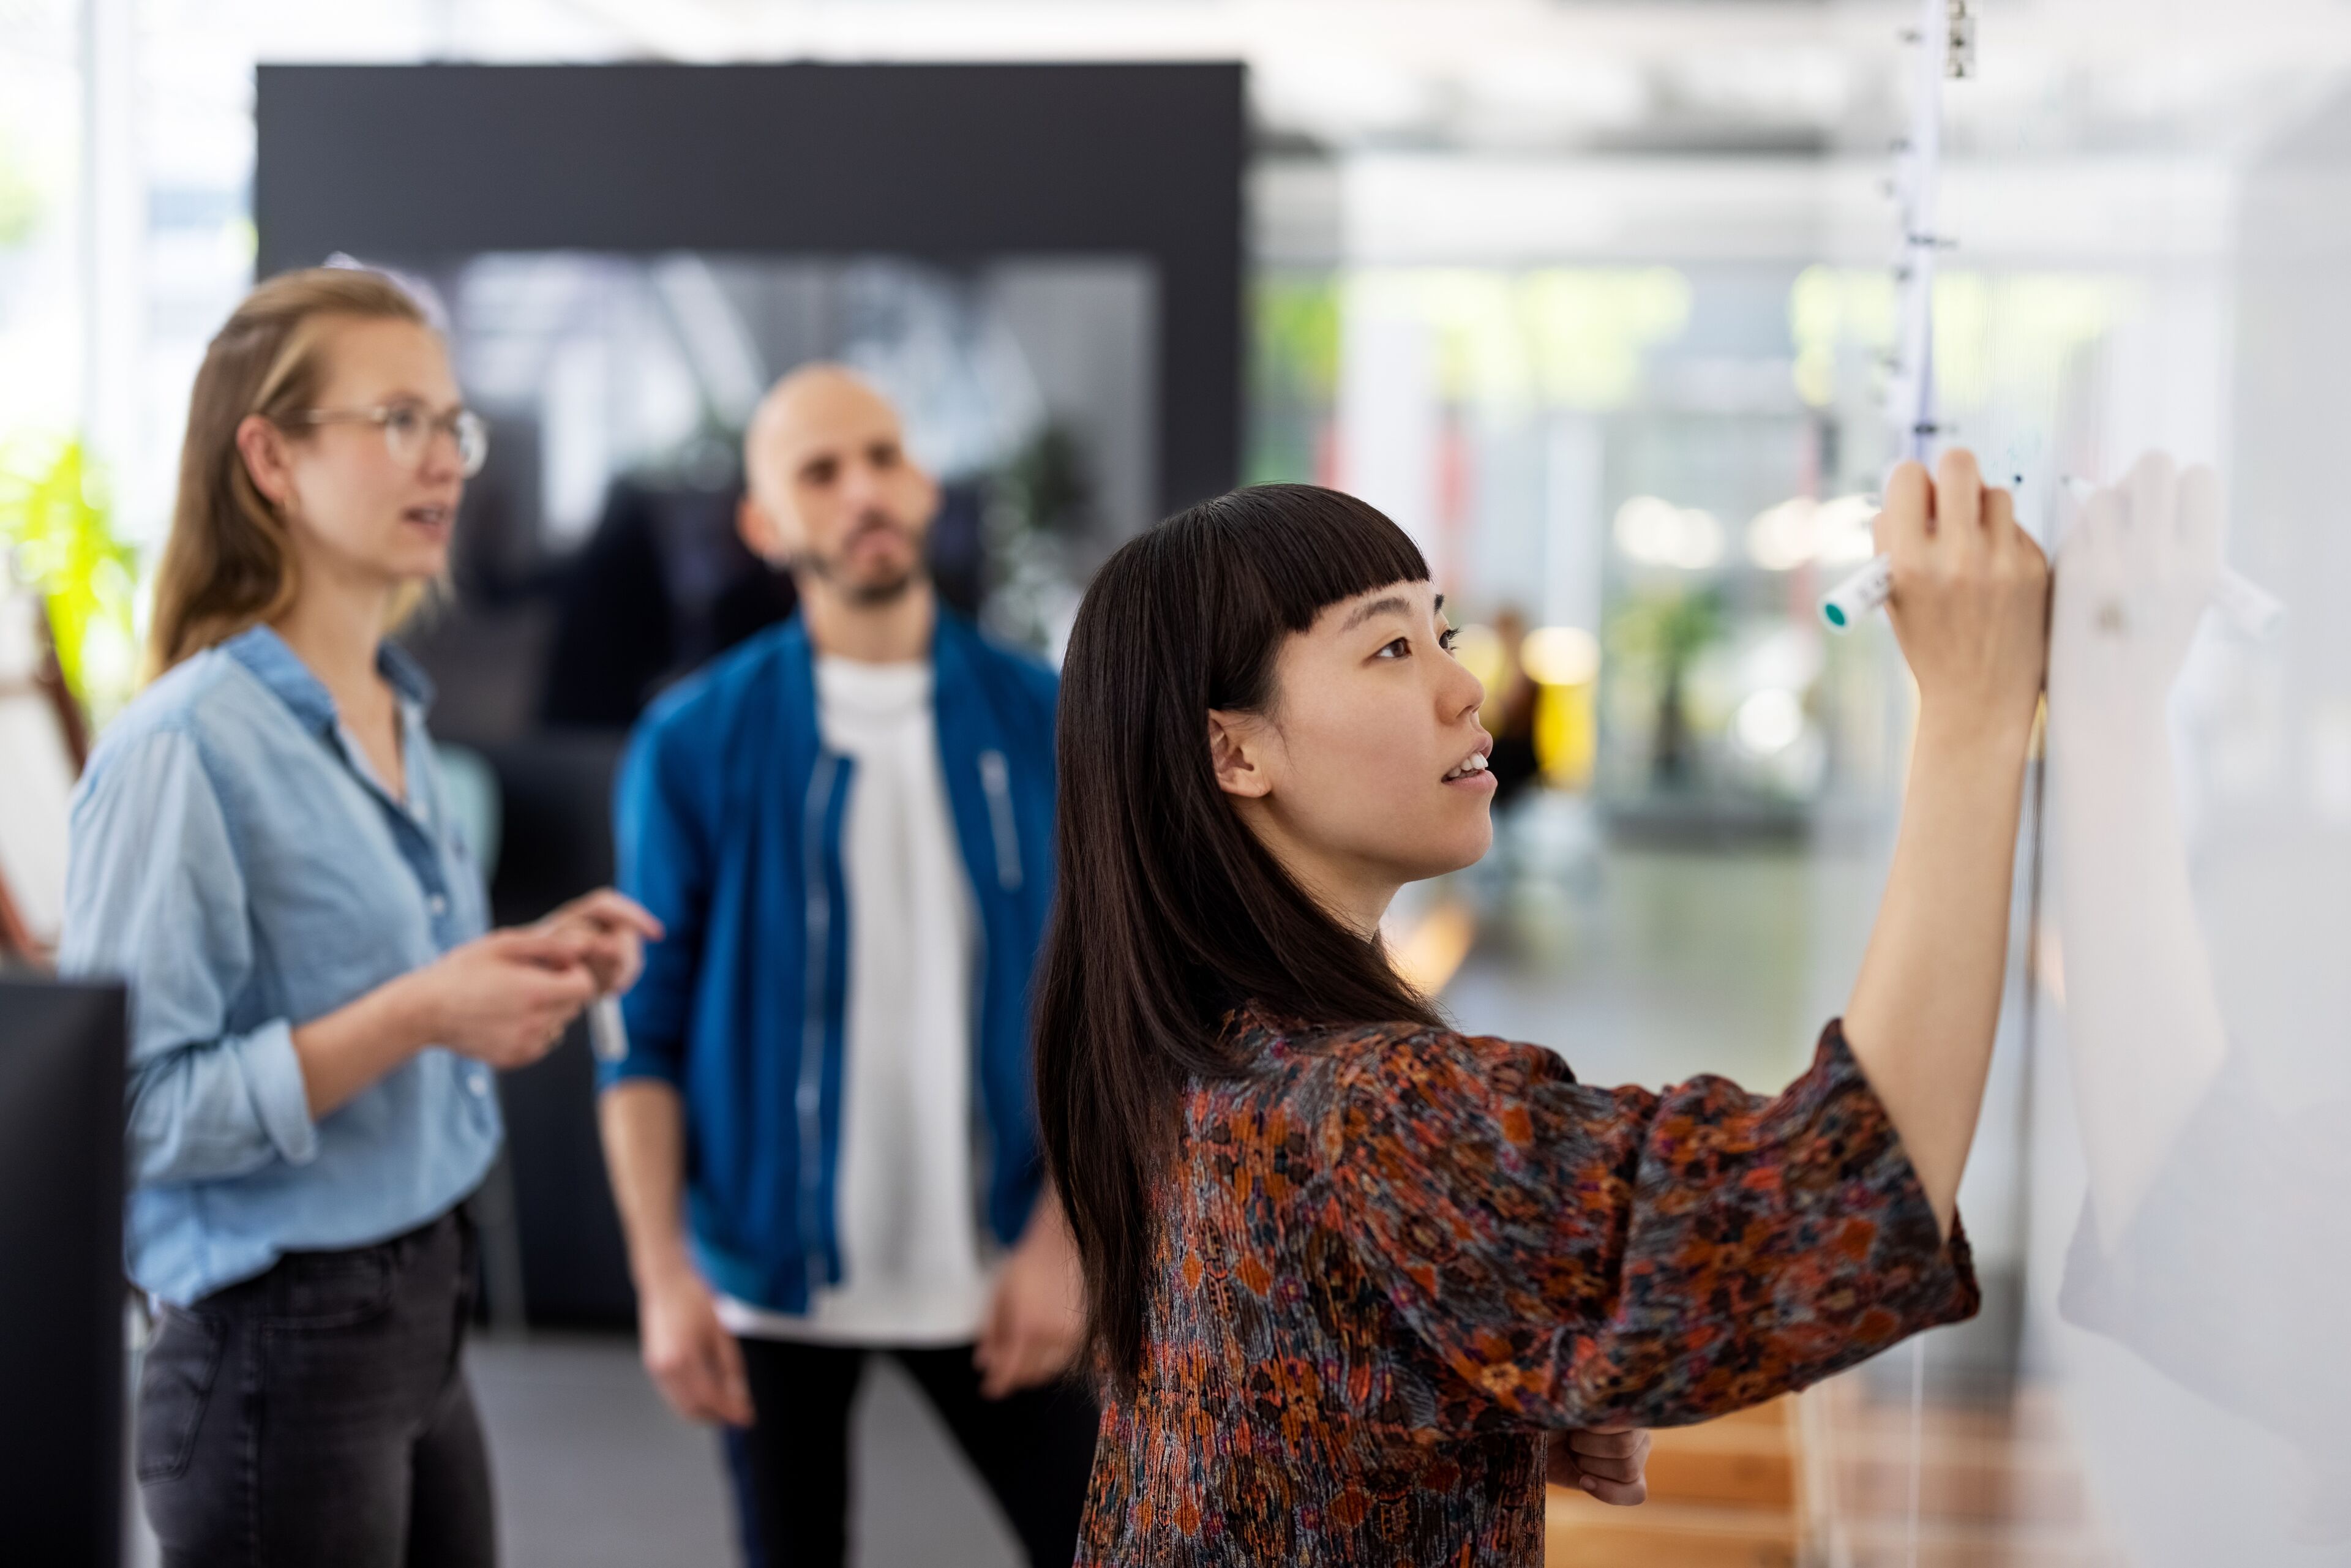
(1168, 910)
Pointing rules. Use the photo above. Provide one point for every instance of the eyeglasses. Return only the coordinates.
(408, 431)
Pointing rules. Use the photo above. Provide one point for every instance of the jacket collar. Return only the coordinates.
(264, 654)
(955, 643)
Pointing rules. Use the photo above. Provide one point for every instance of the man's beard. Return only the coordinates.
(870, 594)
(873, 595)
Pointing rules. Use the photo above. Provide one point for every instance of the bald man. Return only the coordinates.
(820, 1127)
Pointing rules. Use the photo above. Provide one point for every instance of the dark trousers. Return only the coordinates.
(320, 1414)
(1035, 1450)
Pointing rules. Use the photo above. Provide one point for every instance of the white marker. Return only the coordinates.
(608, 1037)
(2245, 609)
(1864, 591)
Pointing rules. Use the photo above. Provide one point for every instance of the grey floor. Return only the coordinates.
(593, 1471)
(1650, 967)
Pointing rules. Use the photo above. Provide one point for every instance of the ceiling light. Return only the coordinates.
(1843, 528)
(1783, 538)
(1658, 533)
(1768, 722)
(1479, 649)
(1560, 655)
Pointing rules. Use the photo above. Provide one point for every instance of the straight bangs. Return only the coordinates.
(1311, 548)
(1254, 564)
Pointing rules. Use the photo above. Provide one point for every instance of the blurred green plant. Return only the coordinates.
(1298, 333)
(1038, 507)
(20, 199)
(56, 530)
(1664, 633)
(1294, 371)
(1044, 485)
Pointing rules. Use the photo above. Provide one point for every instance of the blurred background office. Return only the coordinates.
(1598, 299)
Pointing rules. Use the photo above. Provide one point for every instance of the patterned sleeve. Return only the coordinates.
(1578, 1255)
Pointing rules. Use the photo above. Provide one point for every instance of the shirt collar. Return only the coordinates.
(265, 653)
(399, 667)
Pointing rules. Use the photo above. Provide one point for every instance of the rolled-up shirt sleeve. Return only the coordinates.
(155, 897)
(1576, 1255)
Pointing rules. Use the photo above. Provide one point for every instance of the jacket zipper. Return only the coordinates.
(983, 1132)
(997, 780)
(807, 1098)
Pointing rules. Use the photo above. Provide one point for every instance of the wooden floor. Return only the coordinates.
(1828, 1480)
(1998, 1487)
(1723, 1495)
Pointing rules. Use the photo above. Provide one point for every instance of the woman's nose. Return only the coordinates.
(1465, 693)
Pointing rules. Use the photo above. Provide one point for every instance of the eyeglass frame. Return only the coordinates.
(459, 425)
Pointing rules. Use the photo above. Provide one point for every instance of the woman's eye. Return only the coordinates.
(1399, 649)
(404, 423)
(1447, 638)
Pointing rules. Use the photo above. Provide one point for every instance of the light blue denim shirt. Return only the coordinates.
(232, 857)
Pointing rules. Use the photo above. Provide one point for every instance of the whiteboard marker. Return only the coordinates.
(2245, 609)
(1861, 594)
(2248, 611)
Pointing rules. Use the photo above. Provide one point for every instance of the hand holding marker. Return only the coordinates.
(2248, 611)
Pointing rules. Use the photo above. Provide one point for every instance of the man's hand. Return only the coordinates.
(695, 1362)
(1610, 1462)
(1037, 1321)
(609, 931)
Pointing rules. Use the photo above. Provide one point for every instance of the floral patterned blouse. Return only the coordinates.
(1393, 1260)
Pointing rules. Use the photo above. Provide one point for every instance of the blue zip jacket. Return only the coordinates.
(729, 818)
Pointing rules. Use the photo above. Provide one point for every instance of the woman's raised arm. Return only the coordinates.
(1971, 606)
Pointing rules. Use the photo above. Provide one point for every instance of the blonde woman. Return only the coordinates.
(264, 849)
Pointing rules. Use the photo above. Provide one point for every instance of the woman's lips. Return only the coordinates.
(1472, 766)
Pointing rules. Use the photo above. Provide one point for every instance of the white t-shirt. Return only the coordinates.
(913, 1271)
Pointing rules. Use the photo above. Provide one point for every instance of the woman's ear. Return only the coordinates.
(261, 447)
(1235, 741)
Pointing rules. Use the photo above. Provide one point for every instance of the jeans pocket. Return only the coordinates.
(184, 1362)
(331, 1289)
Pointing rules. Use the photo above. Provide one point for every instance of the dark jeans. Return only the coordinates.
(1035, 1450)
(320, 1415)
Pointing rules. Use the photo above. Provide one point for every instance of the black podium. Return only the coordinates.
(61, 1291)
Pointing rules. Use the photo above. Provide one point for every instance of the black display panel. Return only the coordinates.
(948, 164)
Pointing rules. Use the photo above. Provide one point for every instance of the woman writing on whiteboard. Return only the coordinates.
(1349, 1270)
(263, 846)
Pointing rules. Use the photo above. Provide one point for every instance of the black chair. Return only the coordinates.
(61, 1290)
